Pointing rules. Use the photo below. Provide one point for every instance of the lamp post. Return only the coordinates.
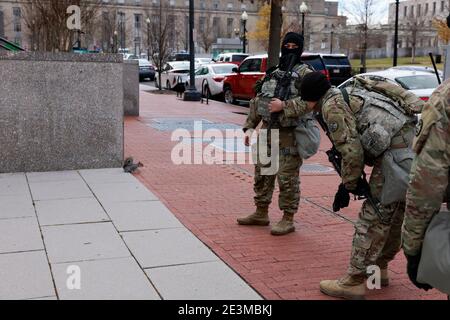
(303, 11)
(191, 93)
(397, 3)
(115, 42)
(244, 19)
(148, 38)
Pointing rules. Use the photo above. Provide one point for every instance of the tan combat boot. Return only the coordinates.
(259, 218)
(284, 226)
(349, 287)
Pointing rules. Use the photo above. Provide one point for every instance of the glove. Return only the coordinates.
(362, 188)
(411, 268)
(341, 199)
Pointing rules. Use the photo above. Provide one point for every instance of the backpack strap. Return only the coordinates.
(346, 96)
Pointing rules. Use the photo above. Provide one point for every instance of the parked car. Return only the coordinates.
(232, 57)
(170, 73)
(202, 61)
(129, 56)
(146, 70)
(180, 56)
(420, 83)
(338, 67)
(209, 78)
(239, 86)
(419, 68)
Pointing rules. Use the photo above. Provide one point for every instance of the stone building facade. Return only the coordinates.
(416, 32)
(220, 19)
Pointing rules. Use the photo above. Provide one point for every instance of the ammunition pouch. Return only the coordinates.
(396, 166)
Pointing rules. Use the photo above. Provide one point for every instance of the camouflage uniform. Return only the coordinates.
(374, 242)
(430, 171)
(289, 159)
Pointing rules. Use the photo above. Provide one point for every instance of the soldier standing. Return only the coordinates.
(289, 159)
(378, 136)
(429, 177)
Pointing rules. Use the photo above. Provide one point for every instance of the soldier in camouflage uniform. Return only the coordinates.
(377, 232)
(429, 176)
(289, 159)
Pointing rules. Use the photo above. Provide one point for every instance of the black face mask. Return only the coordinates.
(288, 54)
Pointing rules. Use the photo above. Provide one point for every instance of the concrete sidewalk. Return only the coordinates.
(106, 227)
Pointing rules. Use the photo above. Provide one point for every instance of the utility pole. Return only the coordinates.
(191, 93)
(397, 3)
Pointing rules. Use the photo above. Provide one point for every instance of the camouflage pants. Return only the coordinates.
(374, 242)
(287, 177)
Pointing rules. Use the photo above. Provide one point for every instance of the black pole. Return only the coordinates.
(244, 40)
(397, 3)
(303, 24)
(191, 93)
(148, 41)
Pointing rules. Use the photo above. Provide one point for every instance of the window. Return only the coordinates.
(434, 8)
(251, 65)
(201, 24)
(2, 25)
(419, 10)
(426, 8)
(16, 12)
(17, 27)
(216, 27)
(202, 4)
(137, 24)
(230, 27)
(405, 11)
(216, 4)
(442, 6)
(245, 66)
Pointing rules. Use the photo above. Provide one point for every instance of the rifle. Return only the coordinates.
(283, 90)
(362, 191)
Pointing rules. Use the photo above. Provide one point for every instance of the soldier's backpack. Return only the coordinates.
(434, 267)
(379, 119)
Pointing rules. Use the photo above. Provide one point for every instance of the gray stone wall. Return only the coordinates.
(60, 111)
(131, 88)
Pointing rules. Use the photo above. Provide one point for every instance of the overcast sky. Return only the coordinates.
(381, 8)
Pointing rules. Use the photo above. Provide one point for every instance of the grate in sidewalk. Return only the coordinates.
(316, 168)
(190, 124)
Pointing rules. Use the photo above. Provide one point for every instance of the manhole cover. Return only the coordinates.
(316, 168)
(190, 124)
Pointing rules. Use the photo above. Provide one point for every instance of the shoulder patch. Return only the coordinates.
(333, 126)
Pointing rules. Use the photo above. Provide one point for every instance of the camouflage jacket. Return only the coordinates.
(342, 126)
(429, 176)
(292, 109)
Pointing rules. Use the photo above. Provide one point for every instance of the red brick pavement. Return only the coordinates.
(207, 199)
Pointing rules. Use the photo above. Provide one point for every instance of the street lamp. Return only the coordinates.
(397, 3)
(115, 41)
(303, 11)
(148, 38)
(244, 19)
(191, 93)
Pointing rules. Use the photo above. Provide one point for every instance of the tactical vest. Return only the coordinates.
(378, 120)
(268, 92)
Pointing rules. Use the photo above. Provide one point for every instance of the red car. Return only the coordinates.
(240, 85)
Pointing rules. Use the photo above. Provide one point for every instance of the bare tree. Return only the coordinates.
(363, 11)
(206, 35)
(158, 37)
(47, 22)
